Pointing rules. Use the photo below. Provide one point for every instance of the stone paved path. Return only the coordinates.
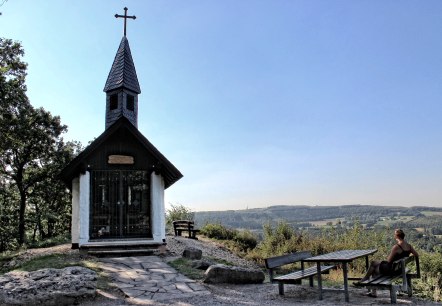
(147, 278)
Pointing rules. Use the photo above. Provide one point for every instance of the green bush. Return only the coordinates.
(278, 240)
(429, 286)
(238, 240)
(178, 212)
(245, 240)
(431, 263)
(218, 231)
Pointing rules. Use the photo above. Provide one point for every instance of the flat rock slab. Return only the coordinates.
(148, 278)
(192, 253)
(65, 286)
(233, 275)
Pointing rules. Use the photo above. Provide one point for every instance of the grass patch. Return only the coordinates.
(56, 261)
(184, 266)
(324, 222)
(103, 279)
(220, 261)
(387, 221)
(49, 242)
(430, 213)
(7, 257)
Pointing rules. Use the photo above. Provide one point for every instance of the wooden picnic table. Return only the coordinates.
(342, 257)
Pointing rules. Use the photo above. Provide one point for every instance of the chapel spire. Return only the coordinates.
(122, 87)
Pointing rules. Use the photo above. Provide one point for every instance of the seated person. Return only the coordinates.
(400, 250)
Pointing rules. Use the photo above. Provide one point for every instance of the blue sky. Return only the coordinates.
(258, 103)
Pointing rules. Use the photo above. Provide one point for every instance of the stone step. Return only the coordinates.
(121, 248)
(120, 245)
(123, 252)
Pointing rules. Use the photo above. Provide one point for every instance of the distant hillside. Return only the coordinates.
(303, 216)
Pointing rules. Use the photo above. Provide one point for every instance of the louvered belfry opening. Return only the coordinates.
(120, 206)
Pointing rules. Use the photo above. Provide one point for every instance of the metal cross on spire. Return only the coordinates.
(125, 18)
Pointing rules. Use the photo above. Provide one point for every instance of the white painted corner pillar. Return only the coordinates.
(158, 211)
(84, 207)
(75, 222)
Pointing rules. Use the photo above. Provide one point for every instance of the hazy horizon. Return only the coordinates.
(168, 206)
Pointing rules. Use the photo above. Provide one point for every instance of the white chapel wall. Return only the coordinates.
(84, 207)
(158, 212)
(75, 223)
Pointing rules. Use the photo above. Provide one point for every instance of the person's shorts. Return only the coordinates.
(385, 268)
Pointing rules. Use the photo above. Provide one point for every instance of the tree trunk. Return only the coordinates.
(40, 228)
(21, 224)
(50, 229)
(35, 233)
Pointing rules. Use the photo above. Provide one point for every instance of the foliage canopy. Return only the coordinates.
(32, 152)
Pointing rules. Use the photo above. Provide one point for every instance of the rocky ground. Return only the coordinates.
(225, 294)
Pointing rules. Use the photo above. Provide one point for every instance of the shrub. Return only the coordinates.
(178, 212)
(429, 286)
(277, 241)
(238, 240)
(218, 231)
(431, 263)
(245, 240)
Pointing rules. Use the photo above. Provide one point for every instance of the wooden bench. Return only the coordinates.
(185, 225)
(296, 276)
(400, 280)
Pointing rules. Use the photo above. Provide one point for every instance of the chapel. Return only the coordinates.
(118, 181)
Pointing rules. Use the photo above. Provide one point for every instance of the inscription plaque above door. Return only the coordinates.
(120, 160)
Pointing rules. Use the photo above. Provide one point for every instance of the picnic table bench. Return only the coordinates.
(185, 225)
(296, 276)
(343, 258)
(399, 280)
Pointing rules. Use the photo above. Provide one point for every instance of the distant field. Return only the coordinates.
(388, 221)
(325, 221)
(432, 213)
(385, 221)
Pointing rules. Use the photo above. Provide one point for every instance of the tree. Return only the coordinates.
(50, 206)
(30, 138)
(178, 212)
(8, 222)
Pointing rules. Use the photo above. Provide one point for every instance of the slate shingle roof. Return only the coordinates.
(163, 166)
(122, 73)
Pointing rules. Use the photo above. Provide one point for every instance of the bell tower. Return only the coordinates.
(122, 87)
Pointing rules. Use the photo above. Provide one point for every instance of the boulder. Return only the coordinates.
(192, 253)
(233, 275)
(201, 264)
(65, 286)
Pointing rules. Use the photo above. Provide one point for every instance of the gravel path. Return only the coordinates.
(176, 246)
